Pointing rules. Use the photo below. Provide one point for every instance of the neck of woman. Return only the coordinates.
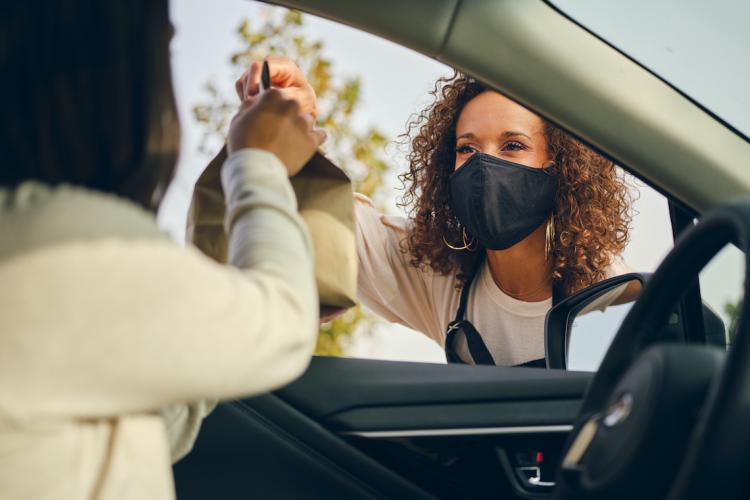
(522, 271)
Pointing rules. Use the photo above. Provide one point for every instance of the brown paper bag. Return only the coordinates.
(324, 199)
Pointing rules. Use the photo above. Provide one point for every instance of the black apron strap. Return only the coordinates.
(477, 348)
(557, 293)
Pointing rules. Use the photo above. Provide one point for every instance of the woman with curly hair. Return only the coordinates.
(507, 214)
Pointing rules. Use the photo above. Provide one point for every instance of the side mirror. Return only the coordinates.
(579, 329)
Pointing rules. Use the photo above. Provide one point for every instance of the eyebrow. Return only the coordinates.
(508, 133)
(511, 133)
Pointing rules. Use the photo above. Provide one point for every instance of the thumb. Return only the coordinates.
(284, 72)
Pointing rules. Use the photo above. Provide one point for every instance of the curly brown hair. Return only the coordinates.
(592, 206)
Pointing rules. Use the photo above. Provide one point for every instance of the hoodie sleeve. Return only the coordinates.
(142, 324)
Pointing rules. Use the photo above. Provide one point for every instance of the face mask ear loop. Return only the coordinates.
(549, 240)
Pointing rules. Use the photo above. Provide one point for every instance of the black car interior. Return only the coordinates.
(352, 428)
(654, 419)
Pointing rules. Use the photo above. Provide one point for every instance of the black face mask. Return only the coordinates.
(501, 202)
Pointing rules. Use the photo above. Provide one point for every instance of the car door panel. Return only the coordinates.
(461, 416)
(378, 395)
(353, 428)
(264, 448)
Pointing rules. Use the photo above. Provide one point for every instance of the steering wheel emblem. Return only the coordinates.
(618, 411)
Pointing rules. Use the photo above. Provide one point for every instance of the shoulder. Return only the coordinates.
(116, 277)
(384, 236)
(617, 267)
(40, 215)
(369, 217)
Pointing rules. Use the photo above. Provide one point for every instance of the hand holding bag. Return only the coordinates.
(324, 199)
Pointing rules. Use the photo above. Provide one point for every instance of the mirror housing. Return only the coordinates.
(559, 321)
(560, 318)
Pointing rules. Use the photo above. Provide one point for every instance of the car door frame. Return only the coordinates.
(525, 20)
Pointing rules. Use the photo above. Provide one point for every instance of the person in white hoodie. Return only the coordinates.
(104, 321)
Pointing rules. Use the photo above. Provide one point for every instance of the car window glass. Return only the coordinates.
(722, 290)
(700, 49)
(651, 229)
(590, 335)
(650, 240)
(382, 105)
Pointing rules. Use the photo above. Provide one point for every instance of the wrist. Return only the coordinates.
(257, 159)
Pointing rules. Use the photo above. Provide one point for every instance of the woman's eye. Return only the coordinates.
(465, 149)
(513, 146)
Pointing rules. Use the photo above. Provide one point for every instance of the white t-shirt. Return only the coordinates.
(512, 330)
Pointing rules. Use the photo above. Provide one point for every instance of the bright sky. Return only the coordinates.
(396, 82)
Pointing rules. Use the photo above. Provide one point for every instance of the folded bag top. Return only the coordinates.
(324, 199)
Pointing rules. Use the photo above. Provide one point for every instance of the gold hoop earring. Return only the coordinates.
(549, 239)
(467, 245)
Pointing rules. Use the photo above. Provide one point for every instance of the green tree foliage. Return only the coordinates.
(359, 153)
(733, 311)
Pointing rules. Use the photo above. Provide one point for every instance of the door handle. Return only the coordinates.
(531, 478)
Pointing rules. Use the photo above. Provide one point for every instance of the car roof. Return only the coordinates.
(537, 56)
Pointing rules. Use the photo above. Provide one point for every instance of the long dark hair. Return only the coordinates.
(87, 96)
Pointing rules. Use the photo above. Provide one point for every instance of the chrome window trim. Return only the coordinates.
(477, 431)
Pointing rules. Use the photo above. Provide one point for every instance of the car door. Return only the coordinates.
(352, 428)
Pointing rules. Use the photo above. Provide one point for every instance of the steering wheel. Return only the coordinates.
(668, 420)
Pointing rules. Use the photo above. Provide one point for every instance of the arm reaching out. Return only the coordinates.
(142, 323)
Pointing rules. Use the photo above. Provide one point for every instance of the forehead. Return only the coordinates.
(491, 112)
